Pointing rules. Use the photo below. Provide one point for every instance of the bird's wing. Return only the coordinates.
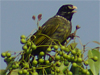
(48, 29)
(51, 26)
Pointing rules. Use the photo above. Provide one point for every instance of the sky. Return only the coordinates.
(16, 19)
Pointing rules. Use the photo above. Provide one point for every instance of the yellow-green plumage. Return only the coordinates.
(56, 28)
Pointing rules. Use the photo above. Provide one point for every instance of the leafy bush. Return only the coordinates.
(65, 59)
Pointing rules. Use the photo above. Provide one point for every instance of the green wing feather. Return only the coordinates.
(48, 29)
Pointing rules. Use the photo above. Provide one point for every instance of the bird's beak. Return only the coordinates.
(74, 11)
(74, 7)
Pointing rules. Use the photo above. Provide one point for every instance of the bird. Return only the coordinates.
(57, 27)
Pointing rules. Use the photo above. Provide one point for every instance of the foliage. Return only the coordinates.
(66, 59)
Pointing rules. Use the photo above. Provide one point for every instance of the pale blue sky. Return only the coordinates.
(16, 19)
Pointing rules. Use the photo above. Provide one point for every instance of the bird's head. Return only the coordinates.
(67, 11)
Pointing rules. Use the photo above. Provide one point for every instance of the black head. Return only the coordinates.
(67, 11)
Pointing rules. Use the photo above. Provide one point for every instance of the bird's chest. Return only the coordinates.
(63, 31)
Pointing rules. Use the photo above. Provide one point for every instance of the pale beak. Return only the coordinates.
(74, 11)
(74, 7)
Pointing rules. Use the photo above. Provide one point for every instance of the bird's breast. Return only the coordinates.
(63, 31)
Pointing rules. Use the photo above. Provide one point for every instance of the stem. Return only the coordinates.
(50, 56)
(80, 43)
(43, 71)
(38, 24)
(31, 33)
(43, 66)
(67, 41)
(43, 46)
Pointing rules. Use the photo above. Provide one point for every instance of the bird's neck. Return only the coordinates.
(61, 17)
(67, 16)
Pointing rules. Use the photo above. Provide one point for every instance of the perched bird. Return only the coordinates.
(57, 28)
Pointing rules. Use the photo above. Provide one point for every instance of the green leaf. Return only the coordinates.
(62, 68)
(14, 72)
(72, 46)
(94, 65)
(97, 48)
(76, 70)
